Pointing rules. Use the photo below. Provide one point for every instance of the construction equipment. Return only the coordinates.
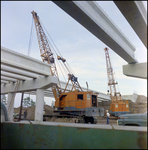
(117, 106)
(80, 104)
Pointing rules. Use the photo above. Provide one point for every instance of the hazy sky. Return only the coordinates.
(82, 50)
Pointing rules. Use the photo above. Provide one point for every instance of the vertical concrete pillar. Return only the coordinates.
(11, 108)
(39, 105)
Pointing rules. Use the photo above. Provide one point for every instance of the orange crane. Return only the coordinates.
(80, 104)
(117, 106)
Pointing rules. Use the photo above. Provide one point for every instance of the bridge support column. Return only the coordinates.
(39, 105)
(10, 112)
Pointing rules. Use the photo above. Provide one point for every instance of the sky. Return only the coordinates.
(81, 49)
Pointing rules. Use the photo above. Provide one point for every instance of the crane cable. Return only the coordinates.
(58, 62)
(31, 37)
(57, 49)
(117, 82)
(30, 43)
(55, 53)
(115, 79)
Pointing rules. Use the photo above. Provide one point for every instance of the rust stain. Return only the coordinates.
(141, 133)
(21, 125)
(142, 140)
(83, 129)
(142, 143)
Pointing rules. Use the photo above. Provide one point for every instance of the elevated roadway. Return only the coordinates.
(29, 75)
(33, 73)
(20, 74)
(135, 13)
(91, 16)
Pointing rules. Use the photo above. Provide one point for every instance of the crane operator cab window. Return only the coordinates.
(80, 97)
(94, 101)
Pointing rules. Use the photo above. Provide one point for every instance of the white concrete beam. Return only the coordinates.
(18, 72)
(90, 15)
(8, 79)
(6, 74)
(24, 60)
(48, 92)
(24, 67)
(138, 70)
(136, 15)
(133, 97)
(2, 81)
(30, 85)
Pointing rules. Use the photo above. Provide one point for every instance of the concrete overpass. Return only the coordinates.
(16, 66)
(33, 76)
(135, 13)
(20, 73)
(90, 15)
(48, 92)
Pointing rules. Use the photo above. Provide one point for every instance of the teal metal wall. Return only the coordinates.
(35, 136)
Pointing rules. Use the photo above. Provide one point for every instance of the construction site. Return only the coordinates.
(140, 106)
(80, 117)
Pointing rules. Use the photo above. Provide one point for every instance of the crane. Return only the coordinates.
(47, 56)
(117, 106)
(78, 103)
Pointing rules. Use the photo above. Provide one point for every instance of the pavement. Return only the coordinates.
(103, 120)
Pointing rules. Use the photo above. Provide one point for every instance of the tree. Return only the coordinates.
(28, 102)
(52, 103)
(4, 100)
(32, 103)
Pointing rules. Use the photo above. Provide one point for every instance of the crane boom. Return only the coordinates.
(46, 53)
(47, 56)
(111, 79)
(117, 106)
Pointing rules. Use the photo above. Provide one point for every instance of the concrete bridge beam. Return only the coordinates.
(7, 78)
(2, 81)
(90, 15)
(24, 67)
(27, 62)
(15, 76)
(30, 85)
(138, 70)
(18, 71)
(135, 13)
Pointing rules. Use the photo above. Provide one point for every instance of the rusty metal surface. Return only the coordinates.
(71, 136)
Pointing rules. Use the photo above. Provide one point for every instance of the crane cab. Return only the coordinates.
(76, 100)
(118, 108)
(84, 104)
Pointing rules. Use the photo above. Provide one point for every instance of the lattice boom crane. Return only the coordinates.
(81, 104)
(46, 53)
(117, 106)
